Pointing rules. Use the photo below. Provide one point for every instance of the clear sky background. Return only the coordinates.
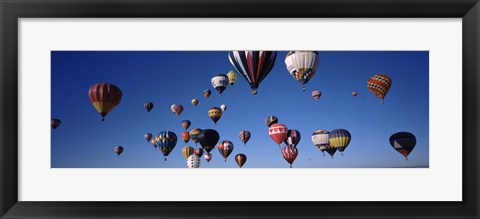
(169, 77)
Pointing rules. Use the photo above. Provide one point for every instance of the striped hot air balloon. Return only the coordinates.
(194, 134)
(187, 151)
(104, 97)
(225, 148)
(403, 143)
(290, 154)
(240, 159)
(244, 136)
(302, 65)
(379, 85)
(270, 120)
(320, 139)
(339, 139)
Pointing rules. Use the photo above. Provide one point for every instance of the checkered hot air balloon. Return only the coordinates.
(379, 85)
(302, 65)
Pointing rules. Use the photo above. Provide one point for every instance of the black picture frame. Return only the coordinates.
(12, 10)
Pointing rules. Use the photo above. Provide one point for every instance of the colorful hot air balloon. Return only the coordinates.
(289, 153)
(225, 148)
(278, 132)
(316, 94)
(104, 97)
(208, 138)
(240, 159)
(187, 151)
(232, 77)
(354, 93)
(206, 93)
(223, 107)
(215, 114)
(186, 136)
(302, 65)
(379, 85)
(403, 143)
(148, 106)
(320, 139)
(339, 139)
(199, 152)
(208, 157)
(148, 137)
(118, 150)
(194, 134)
(244, 136)
(154, 142)
(194, 102)
(186, 124)
(54, 123)
(166, 141)
(270, 120)
(177, 109)
(220, 83)
(253, 66)
(193, 161)
(293, 138)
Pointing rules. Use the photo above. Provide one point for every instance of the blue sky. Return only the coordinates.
(175, 77)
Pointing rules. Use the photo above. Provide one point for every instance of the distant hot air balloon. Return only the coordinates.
(278, 132)
(154, 142)
(270, 120)
(148, 137)
(220, 83)
(232, 77)
(193, 161)
(186, 124)
(199, 152)
(320, 139)
(148, 106)
(177, 109)
(54, 123)
(215, 114)
(403, 143)
(194, 102)
(225, 148)
(354, 93)
(206, 93)
(379, 85)
(187, 151)
(208, 138)
(208, 157)
(104, 97)
(194, 134)
(253, 66)
(289, 153)
(223, 107)
(240, 159)
(339, 139)
(293, 137)
(316, 94)
(302, 65)
(118, 150)
(244, 136)
(186, 136)
(166, 141)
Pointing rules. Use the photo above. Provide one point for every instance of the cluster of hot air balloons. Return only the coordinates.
(280, 133)
(338, 139)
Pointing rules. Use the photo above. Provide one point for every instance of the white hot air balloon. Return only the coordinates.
(220, 82)
(193, 161)
(320, 139)
(302, 65)
(223, 107)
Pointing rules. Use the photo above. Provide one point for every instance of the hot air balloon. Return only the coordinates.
(206, 93)
(208, 157)
(220, 83)
(278, 132)
(166, 141)
(232, 77)
(330, 150)
(354, 93)
(293, 138)
(199, 152)
(215, 114)
(244, 136)
(194, 134)
(289, 153)
(186, 124)
(208, 138)
(186, 136)
(193, 161)
(253, 66)
(148, 137)
(316, 94)
(104, 97)
(54, 123)
(118, 150)
(154, 142)
(339, 139)
(148, 106)
(302, 65)
(177, 109)
(379, 85)
(223, 107)
(320, 139)
(240, 159)
(270, 120)
(187, 151)
(403, 143)
(194, 102)
(225, 148)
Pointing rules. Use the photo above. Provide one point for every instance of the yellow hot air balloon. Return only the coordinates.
(187, 151)
(232, 77)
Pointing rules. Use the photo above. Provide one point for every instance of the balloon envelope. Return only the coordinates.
(339, 139)
(290, 154)
(186, 124)
(186, 136)
(240, 159)
(293, 137)
(148, 136)
(225, 148)
(316, 94)
(220, 83)
(232, 77)
(208, 138)
(194, 133)
(215, 114)
(166, 141)
(177, 109)
(104, 97)
(379, 85)
(118, 150)
(302, 65)
(54, 123)
(270, 120)
(187, 151)
(194, 102)
(244, 136)
(278, 132)
(148, 106)
(193, 161)
(403, 142)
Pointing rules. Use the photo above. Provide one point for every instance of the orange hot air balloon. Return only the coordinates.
(379, 85)
(186, 136)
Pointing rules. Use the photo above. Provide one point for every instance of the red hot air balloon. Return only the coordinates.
(148, 106)
(240, 159)
(278, 132)
(225, 148)
(104, 97)
(289, 153)
(186, 136)
(54, 123)
(208, 157)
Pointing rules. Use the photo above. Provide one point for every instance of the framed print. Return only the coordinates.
(239, 109)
